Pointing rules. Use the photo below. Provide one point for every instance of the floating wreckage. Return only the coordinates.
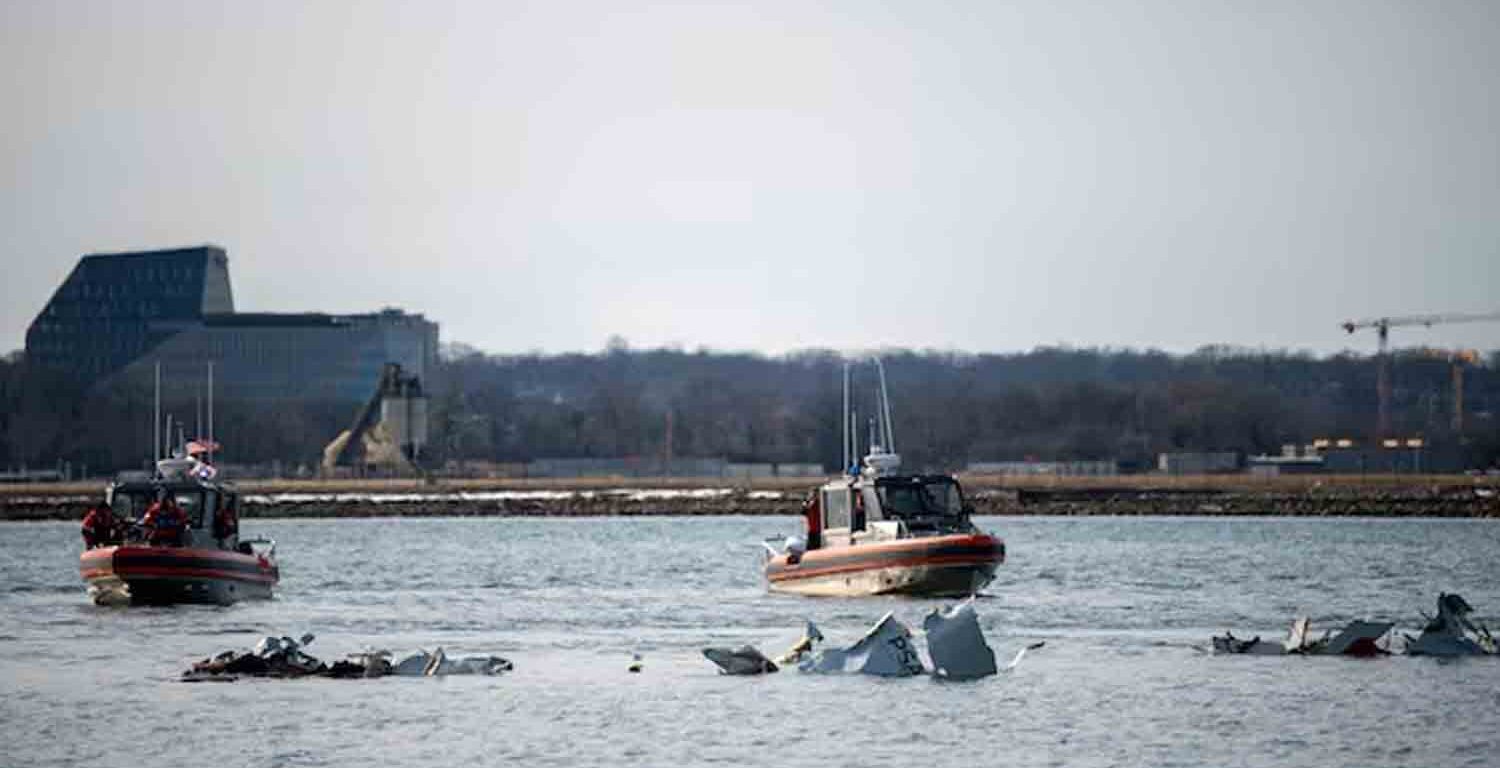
(283, 657)
(747, 660)
(1450, 633)
(1359, 638)
(955, 646)
(885, 651)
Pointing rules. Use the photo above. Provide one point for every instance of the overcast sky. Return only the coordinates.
(984, 176)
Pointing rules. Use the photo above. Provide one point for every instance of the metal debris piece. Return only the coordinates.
(803, 646)
(1450, 633)
(956, 644)
(1358, 638)
(284, 657)
(745, 660)
(885, 651)
(748, 660)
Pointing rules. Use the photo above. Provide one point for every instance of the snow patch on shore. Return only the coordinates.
(631, 494)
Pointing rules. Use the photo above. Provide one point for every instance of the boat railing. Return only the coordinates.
(247, 546)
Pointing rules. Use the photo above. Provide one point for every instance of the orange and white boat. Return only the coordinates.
(202, 559)
(876, 531)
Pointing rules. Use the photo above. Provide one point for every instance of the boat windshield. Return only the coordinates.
(192, 504)
(915, 497)
(130, 506)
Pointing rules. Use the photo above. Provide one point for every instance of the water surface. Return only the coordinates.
(1124, 604)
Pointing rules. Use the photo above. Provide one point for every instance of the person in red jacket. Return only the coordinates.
(165, 523)
(812, 512)
(98, 527)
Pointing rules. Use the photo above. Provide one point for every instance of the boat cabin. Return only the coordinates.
(211, 508)
(854, 510)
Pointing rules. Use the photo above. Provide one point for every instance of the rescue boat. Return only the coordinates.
(203, 561)
(876, 531)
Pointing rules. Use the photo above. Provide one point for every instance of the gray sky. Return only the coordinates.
(982, 176)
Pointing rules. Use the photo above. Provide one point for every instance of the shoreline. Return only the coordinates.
(1229, 496)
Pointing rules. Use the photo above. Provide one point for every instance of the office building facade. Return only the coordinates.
(113, 307)
(120, 316)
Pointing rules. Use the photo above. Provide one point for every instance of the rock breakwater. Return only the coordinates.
(1343, 501)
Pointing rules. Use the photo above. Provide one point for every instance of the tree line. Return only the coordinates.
(949, 409)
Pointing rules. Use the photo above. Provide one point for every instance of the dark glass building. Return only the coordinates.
(120, 315)
(115, 306)
(308, 356)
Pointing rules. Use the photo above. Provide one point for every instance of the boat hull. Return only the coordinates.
(143, 575)
(956, 565)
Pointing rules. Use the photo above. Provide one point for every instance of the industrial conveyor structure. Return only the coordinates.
(388, 434)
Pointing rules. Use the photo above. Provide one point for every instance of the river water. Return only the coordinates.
(1125, 606)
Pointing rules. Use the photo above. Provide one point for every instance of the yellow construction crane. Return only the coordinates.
(1383, 326)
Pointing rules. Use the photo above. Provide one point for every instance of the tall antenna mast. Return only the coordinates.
(844, 427)
(853, 436)
(210, 411)
(889, 432)
(156, 418)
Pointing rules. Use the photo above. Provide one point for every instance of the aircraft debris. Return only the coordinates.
(1358, 638)
(885, 651)
(283, 657)
(1450, 633)
(747, 660)
(955, 644)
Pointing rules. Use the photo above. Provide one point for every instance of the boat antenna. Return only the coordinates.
(889, 433)
(853, 436)
(844, 428)
(210, 411)
(156, 417)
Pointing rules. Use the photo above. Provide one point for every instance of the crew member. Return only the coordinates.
(165, 523)
(813, 511)
(226, 523)
(98, 527)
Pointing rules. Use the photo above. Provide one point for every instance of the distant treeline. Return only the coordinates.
(949, 409)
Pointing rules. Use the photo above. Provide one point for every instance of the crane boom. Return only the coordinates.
(1350, 326)
(1383, 326)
